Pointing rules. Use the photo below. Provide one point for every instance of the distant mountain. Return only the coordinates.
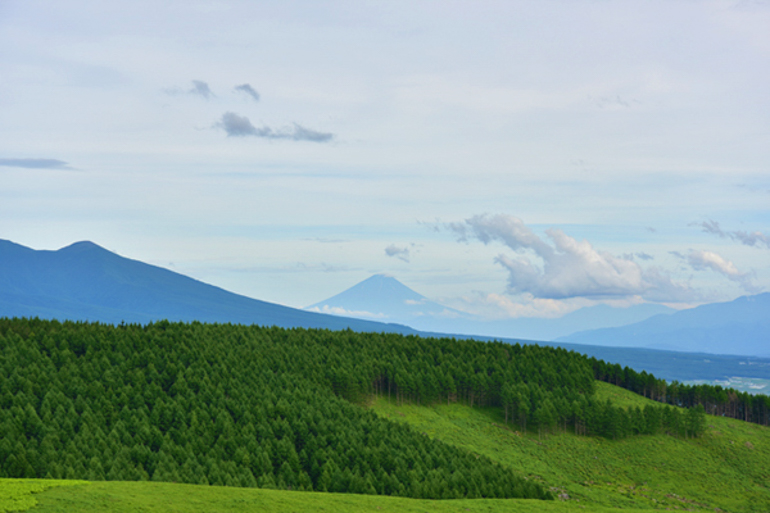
(384, 298)
(86, 282)
(591, 317)
(741, 326)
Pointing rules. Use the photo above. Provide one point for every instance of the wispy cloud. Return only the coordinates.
(755, 239)
(615, 101)
(202, 89)
(240, 126)
(564, 267)
(325, 240)
(708, 260)
(400, 253)
(250, 91)
(337, 310)
(640, 256)
(35, 163)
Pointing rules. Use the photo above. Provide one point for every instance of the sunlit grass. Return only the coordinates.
(727, 468)
(21, 494)
(148, 497)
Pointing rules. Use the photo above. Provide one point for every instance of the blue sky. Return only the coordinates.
(505, 158)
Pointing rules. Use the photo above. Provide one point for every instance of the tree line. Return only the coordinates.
(714, 399)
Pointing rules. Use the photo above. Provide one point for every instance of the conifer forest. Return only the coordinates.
(274, 408)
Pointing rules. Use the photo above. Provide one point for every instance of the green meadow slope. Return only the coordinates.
(41, 496)
(727, 469)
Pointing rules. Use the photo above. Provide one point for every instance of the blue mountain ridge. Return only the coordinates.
(84, 281)
(741, 326)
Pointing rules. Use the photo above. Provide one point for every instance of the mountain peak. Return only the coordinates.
(83, 245)
(381, 276)
(382, 296)
(382, 287)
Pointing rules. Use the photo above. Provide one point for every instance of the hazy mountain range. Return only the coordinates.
(741, 326)
(384, 298)
(86, 282)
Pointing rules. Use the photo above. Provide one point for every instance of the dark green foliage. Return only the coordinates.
(236, 406)
(715, 400)
(276, 408)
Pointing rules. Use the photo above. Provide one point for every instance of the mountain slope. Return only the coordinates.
(741, 326)
(86, 282)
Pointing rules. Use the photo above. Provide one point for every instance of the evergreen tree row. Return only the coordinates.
(714, 400)
(585, 415)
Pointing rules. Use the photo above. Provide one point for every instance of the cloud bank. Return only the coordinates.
(35, 163)
(250, 91)
(756, 239)
(240, 126)
(565, 268)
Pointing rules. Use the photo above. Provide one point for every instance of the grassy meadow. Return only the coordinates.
(727, 468)
(41, 496)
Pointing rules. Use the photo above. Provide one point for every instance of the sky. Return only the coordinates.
(506, 158)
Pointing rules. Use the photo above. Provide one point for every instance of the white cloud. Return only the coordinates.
(565, 267)
(708, 260)
(493, 306)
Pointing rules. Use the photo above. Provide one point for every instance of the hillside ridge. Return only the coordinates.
(741, 326)
(84, 281)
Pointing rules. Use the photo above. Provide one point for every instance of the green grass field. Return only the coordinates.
(42, 496)
(727, 469)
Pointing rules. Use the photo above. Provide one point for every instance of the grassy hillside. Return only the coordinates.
(727, 468)
(40, 496)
